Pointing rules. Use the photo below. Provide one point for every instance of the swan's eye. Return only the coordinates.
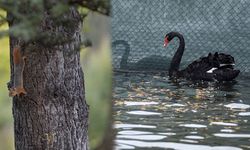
(166, 41)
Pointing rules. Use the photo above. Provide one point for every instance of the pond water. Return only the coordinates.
(151, 112)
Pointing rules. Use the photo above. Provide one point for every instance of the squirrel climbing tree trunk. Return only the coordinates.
(52, 113)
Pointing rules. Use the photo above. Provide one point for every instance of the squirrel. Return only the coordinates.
(19, 63)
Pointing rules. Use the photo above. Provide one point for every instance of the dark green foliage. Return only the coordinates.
(101, 6)
(28, 16)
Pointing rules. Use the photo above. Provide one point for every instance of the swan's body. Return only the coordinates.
(151, 63)
(217, 66)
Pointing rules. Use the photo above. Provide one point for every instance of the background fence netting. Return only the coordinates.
(139, 27)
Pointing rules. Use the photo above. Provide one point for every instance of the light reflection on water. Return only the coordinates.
(171, 145)
(143, 113)
(152, 112)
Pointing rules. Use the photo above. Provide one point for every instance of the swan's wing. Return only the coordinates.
(199, 66)
(226, 74)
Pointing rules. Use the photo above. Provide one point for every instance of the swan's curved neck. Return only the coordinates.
(175, 63)
(124, 59)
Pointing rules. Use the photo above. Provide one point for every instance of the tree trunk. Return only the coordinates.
(53, 114)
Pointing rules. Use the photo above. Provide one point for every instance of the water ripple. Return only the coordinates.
(244, 114)
(153, 113)
(227, 130)
(193, 125)
(237, 106)
(172, 145)
(194, 137)
(142, 137)
(188, 141)
(133, 126)
(127, 103)
(224, 123)
(133, 132)
(146, 113)
(227, 135)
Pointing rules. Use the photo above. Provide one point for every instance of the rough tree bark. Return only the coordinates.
(53, 114)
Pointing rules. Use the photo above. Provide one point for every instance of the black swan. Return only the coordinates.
(217, 66)
(151, 63)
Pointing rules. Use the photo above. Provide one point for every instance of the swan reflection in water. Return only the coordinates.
(150, 63)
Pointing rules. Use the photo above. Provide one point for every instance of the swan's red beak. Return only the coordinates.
(165, 41)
